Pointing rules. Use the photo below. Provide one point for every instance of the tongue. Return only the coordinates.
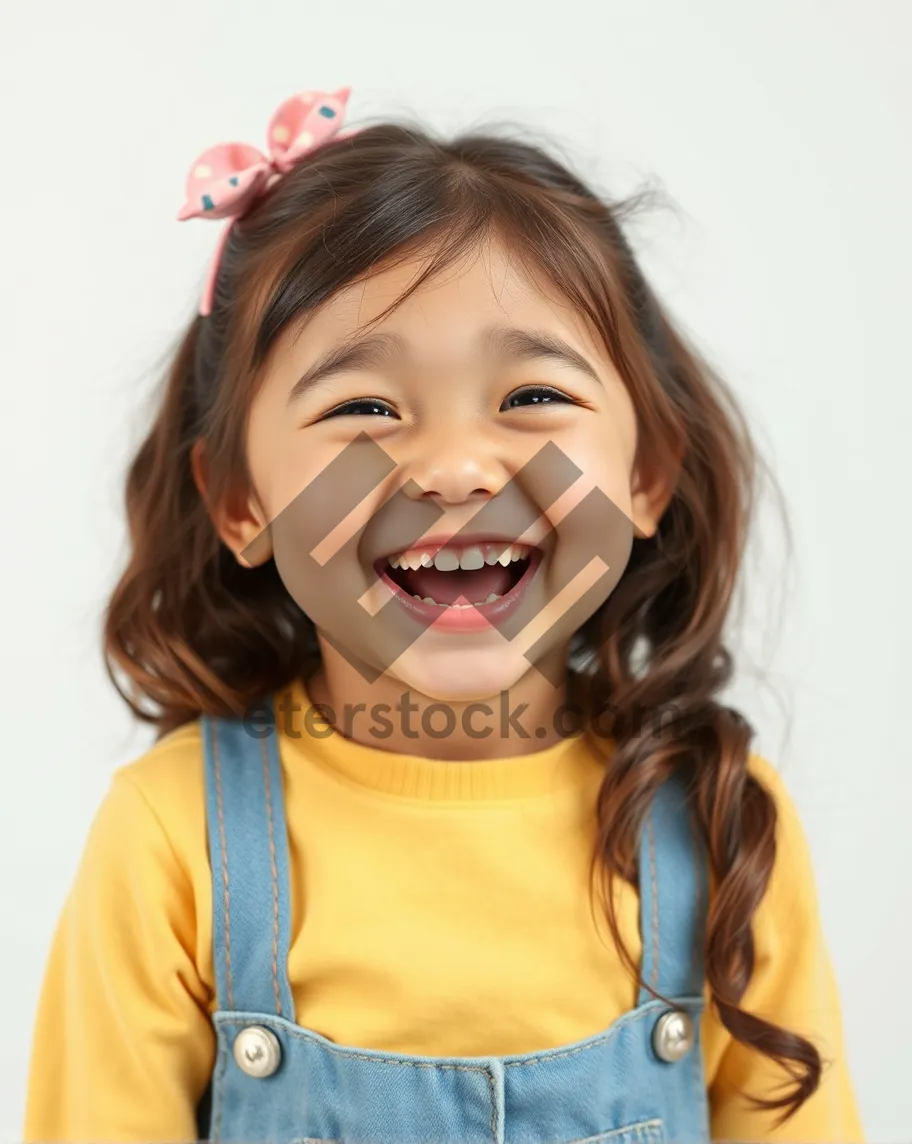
(465, 587)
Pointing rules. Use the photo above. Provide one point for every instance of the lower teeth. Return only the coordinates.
(428, 600)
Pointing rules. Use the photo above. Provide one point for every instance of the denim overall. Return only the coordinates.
(640, 1080)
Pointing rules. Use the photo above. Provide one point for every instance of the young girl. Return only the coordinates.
(446, 835)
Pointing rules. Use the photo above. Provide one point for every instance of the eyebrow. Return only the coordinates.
(502, 343)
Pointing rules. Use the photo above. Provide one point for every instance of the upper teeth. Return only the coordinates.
(468, 559)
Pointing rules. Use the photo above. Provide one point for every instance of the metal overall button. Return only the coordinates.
(257, 1051)
(673, 1036)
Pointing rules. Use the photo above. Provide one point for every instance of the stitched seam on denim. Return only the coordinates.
(275, 882)
(700, 928)
(643, 1130)
(217, 1084)
(340, 1052)
(221, 823)
(493, 1106)
(699, 1085)
(655, 908)
(625, 1021)
(630, 1018)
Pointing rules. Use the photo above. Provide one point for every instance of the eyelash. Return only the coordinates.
(376, 404)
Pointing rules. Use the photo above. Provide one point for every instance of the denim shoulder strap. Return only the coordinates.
(674, 891)
(248, 853)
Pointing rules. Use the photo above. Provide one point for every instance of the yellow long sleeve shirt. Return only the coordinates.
(388, 952)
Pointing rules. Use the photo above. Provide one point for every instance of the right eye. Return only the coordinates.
(361, 407)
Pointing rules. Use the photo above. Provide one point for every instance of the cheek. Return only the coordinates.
(607, 472)
(592, 522)
(327, 498)
(602, 452)
(280, 467)
(610, 451)
(315, 541)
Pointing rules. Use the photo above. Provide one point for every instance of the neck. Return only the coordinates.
(529, 716)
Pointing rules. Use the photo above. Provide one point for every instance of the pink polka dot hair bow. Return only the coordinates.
(228, 178)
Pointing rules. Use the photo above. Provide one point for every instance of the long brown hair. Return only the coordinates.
(188, 631)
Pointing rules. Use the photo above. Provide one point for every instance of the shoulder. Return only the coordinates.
(156, 804)
(790, 837)
(170, 769)
(768, 775)
(789, 902)
(139, 910)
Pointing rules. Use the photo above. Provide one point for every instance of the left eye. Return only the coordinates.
(536, 395)
(364, 406)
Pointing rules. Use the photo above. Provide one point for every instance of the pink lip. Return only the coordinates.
(476, 618)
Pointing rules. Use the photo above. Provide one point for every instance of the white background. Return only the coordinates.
(781, 133)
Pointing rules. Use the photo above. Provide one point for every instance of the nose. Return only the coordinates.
(455, 466)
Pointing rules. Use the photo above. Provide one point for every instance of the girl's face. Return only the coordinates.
(395, 483)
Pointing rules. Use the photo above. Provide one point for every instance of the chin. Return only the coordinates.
(461, 677)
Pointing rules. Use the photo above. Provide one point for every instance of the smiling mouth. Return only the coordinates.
(476, 575)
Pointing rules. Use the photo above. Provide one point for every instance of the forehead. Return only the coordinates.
(445, 313)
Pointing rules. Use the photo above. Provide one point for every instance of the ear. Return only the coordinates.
(653, 486)
(237, 518)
